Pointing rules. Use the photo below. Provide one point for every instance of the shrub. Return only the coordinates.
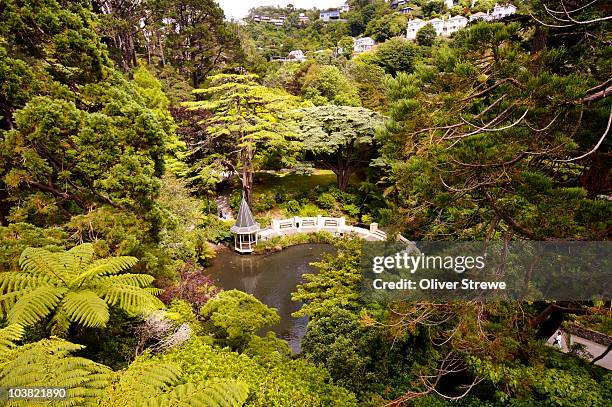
(326, 200)
(309, 210)
(263, 202)
(194, 286)
(292, 207)
(351, 209)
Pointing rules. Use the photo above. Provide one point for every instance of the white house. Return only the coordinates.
(414, 26)
(480, 16)
(278, 21)
(438, 24)
(443, 27)
(363, 44)
(303, 18)
(296, 56)
(503, 11)
(329, 15)
(454, 24)
(345, 8)
(449, 4)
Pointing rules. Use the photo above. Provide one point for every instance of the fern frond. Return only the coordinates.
(35, 305)
(83, 254)
(16, 281)
(49, 363)
(136, 280)
(221, 394)
(226, 393)
(150, 375)
(86, 308)
(42, 262)
(131, 299)
(10, 334)
(104, 267)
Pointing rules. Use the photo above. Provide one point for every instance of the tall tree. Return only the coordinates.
(340, 137)
(197, 38)
(486, 138)
(248, 117)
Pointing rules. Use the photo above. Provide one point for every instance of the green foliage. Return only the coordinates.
(48, 363)
(397, 55)
(15, 237)
(150, 383)
(73, 288)
(326, 200)
(234, 317)
(325, 84)
(386, 26)
(426, 35)
(250, 118)
(470, 183)
(336, 285)
(278, 382)
(341, 138)
(339, 342)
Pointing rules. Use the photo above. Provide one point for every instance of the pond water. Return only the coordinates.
(271, 279)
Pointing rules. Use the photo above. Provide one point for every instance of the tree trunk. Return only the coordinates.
(344, 174)
(540, 38)
(247, 173)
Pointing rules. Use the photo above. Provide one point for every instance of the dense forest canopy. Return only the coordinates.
(130, 128)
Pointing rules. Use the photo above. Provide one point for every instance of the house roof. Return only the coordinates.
(245, 222)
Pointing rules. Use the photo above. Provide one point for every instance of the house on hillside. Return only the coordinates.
(414, 26)
(363, 44)
(480, 16)
(454, 24)
(296, 56)
(279, 22)
(407, 10)
(303, 18)
(345, 8)
(443, 27)
(501, 11)
(329, 15)
(398, 3)
(438, 24)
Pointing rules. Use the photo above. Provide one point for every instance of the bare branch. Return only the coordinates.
(596, 146)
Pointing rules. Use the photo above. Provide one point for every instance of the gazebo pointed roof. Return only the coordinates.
(245, 222)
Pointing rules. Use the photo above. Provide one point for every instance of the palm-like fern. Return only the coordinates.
(152, 384)
(73, 287)
(48, 363)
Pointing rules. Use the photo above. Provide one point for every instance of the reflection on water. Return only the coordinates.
(271, 279)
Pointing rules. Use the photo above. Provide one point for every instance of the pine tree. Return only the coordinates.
(249, 116)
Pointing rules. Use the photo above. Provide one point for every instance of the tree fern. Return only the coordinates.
(229, 393)
(72, 287)
(150, 383)
(9, 335)
(49, 363)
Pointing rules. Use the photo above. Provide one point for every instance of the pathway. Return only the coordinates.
(223, 207)
(335, 226)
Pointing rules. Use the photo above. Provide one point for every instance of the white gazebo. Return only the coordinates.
(245, 230)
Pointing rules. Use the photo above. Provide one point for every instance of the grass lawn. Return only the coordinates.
(292, 183)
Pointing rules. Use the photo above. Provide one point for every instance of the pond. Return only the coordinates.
(271, 279)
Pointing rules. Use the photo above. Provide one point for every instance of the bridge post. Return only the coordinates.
(373, 227)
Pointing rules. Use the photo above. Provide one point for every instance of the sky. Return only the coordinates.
(240, 8)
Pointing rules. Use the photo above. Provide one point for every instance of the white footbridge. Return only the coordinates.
(336, 226)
